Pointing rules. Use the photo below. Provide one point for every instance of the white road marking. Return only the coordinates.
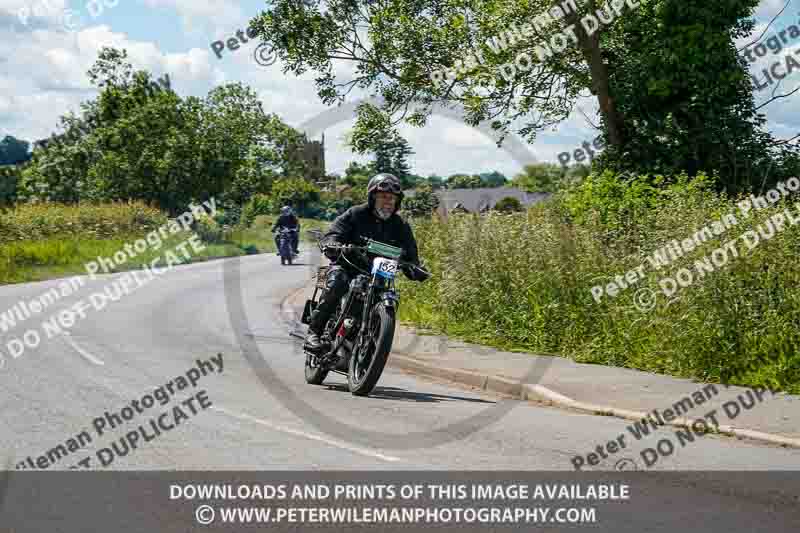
(89, 357)
(342, 445)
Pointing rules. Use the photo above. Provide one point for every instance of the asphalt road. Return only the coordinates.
(259, 414)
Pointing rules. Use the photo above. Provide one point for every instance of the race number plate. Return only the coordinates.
(382, 266)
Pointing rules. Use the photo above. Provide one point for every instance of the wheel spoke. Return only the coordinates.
(367, 352)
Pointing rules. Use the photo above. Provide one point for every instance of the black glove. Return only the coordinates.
(415, 274)
(332, 251)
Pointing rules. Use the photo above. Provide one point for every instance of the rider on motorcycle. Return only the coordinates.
(287, 220)
(378, 220)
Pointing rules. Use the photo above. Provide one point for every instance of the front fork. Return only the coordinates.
(388, 298)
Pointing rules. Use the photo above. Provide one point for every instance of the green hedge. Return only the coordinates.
(524, 281)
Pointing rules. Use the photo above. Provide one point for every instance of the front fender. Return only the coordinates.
(390, 300)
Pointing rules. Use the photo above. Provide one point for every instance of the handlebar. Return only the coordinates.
(345, 248)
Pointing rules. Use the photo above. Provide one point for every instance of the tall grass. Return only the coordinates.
(27, 261)
(42, 241)
(524, 282)
(36, 221)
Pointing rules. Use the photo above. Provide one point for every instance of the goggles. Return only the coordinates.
(388, 186)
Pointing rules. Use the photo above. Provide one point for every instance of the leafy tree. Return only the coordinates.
(296, 192)
(435, 181)
(423, 203)
(540, 177)
(356, 174)
(135, 142)
(258, 205)
(13, 151)
(354, 182)
(401, 151)
(9, 175)
(687, 95)
(464, 181)
(411, 181)
(493, 179)
(578, 172)
(665, 74)
(374, 134)
(509, 204)
(334, 204)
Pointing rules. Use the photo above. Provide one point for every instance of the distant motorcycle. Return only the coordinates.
(285, 248)
(362, 329)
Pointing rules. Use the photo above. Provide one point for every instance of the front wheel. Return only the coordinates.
(367, 362)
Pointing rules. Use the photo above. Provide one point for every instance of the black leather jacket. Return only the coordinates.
(361, 222)
(287, 221)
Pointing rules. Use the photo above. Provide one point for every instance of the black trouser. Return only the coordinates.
(336, 286)
(295, 239)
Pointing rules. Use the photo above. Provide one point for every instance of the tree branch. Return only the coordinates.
(779, 96)
(768, 26)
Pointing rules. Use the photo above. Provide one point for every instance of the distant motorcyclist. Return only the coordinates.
(287, 219)
(378, 220)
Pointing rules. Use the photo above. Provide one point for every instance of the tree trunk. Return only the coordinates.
(590, 47)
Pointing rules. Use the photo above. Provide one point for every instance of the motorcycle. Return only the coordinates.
(285, 248)
(361, 330)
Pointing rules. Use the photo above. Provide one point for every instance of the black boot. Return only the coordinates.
(314, 343)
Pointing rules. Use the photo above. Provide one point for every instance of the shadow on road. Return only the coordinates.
(394, 393)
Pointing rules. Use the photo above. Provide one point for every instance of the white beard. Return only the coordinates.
(384, 214)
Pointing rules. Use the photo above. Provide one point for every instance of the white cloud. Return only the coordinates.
(194, 13)
(44, 74)
(462, 136)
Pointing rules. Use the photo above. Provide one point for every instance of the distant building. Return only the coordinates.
(480, 200)
(312, 153)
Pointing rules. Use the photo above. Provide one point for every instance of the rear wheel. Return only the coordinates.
(368, 361)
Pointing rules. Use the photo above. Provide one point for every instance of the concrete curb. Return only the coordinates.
(543, 395)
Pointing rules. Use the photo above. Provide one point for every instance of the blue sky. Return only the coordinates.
(43, 66)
